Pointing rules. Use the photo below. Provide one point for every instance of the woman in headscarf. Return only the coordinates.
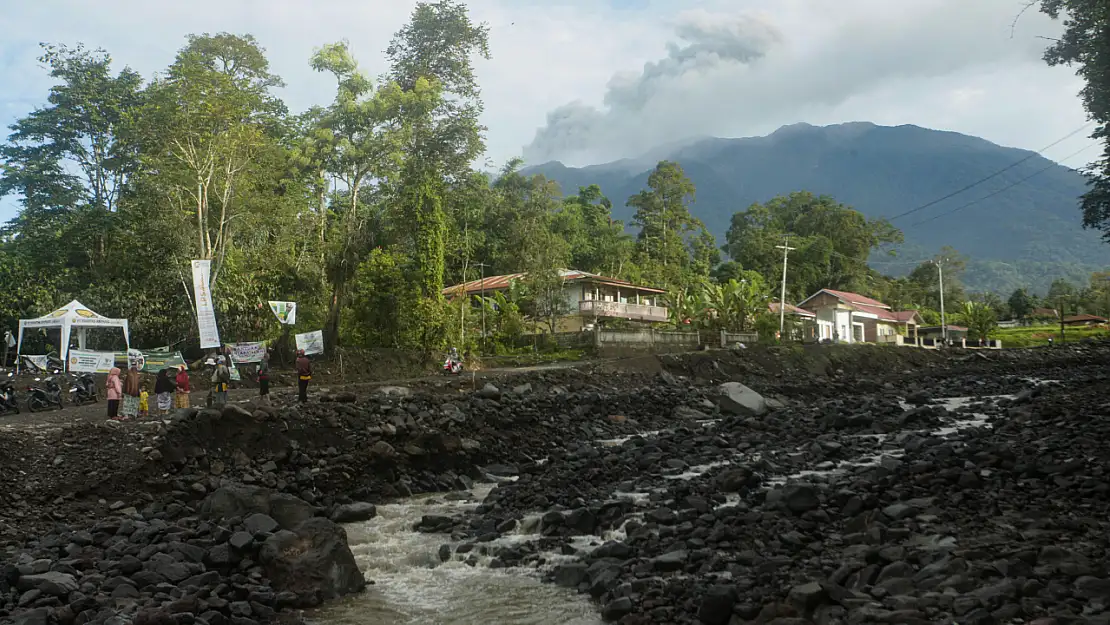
(163, 390)
(264, 378)
(114, 389)
(132, 389)
(181, 393)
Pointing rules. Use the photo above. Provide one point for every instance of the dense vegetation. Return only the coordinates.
(1025, 231)
(363, 210)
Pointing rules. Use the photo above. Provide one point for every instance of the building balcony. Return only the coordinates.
(637, 312)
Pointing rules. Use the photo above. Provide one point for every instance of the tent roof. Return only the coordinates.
(75, 314)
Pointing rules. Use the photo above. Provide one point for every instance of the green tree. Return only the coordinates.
(1020, 304)
(832, 242)
(431, 58)
(670, 245)
(203, 128)
(85, 124)
(980, 319)
(1063, 296)
(1083, 45)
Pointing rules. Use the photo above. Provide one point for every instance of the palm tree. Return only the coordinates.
(980, 320)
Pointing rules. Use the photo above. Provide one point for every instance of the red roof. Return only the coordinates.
(493, 283)
(1078, 318)
(905, 316)
(884, 314)
(868, 305)
(791, 309)
(856, 298)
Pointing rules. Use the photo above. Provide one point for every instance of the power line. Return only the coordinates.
(1000, 171)
(1007, 187)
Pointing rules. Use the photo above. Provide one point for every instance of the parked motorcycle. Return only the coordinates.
(453, 365)
(8, 403)
(44, 396)
(83, 389)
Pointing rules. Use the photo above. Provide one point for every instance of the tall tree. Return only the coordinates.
(832, 242)
(1083, 45)
(84, 124)
(670, 238)
(927, 279)
(204, 127)
(431, 57)
(358, 142)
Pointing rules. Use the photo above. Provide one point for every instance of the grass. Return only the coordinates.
(1032, 336)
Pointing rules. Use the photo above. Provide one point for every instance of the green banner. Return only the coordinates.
(156, 360)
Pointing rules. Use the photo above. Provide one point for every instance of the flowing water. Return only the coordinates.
(413, 586)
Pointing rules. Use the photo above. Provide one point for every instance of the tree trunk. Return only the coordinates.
(331, 326)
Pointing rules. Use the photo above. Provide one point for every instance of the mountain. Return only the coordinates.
(1026, 235)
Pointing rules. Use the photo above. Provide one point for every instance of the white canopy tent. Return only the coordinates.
(73, 315)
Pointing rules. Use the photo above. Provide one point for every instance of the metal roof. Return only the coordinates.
(494, 283)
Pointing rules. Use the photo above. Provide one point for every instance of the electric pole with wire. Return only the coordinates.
(785, 247)
(940, 277)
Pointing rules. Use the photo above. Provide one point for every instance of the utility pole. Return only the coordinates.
(1061, 322)
(482, 284)
(785, 247)
(940, 277)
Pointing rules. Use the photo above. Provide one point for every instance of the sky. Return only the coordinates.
(590, 81)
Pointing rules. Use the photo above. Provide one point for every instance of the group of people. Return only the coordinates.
(128, 397)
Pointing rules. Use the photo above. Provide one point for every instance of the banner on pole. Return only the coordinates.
(154, 360)
(135, 359)
(247, 352)
(286, 312)
(311, 342)
(36, 362)
(206, 314)
(85, 361)
(233, 369)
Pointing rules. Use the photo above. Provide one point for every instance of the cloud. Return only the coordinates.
(745, 73)
(698, 67)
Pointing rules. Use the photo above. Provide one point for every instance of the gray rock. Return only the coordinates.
(806, 597)
(49, 583)
(736, 399)
(258, 523)
(617, 609)
(241, 540)
(672, 561)
(313, 561)
(489, 391)
(354, 512)
(899, 511)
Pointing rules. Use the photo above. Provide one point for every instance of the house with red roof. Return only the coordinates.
(846, 317)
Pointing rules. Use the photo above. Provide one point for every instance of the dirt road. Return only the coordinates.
(98, 412)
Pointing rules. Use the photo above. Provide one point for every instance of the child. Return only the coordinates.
(144, 404)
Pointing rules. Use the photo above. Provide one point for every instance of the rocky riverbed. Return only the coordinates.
(828, 486)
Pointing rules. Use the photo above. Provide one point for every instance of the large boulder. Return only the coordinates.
(354, 512)
(736, 399)
(241, 500)
(313, 562)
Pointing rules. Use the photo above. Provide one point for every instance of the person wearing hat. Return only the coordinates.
(304, 375)
(220, 379)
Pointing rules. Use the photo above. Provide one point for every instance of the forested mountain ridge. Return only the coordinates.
(1019, 234)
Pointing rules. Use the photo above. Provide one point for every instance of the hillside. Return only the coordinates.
(1024, 236)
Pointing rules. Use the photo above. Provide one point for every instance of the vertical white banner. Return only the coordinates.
(206, 314)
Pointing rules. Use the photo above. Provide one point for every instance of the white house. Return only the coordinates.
(590, 297)
(852, 318)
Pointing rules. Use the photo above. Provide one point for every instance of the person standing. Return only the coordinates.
(304, 375)
(264, 378)
(181, 393)
(114, 388)
(220, 380)
(132, 388)
(163, 391)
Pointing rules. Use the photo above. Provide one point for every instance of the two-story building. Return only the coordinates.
(590, 298)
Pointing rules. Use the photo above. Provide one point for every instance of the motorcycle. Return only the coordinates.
(45, 396)
(83, 388)
(453, 365)
(8, 402)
